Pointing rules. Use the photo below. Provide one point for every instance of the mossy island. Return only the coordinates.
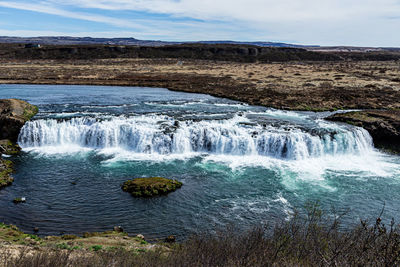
(149, 187)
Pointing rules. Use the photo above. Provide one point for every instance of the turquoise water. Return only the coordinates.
(240, 164)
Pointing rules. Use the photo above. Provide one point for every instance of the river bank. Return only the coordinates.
(303, 241)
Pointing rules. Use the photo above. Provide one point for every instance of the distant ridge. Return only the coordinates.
(264, 44)
(67, 40)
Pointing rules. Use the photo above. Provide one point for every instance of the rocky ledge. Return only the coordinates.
(382, 125)
(148, 187)
(14, 114)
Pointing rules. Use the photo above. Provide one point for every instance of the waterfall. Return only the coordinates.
(165, 135)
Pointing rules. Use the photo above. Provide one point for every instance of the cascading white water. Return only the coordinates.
(164, 135)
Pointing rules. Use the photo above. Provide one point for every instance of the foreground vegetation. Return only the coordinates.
(314, 239)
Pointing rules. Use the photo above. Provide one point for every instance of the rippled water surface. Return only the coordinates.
(239, 164)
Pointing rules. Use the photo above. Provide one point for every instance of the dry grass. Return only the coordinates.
(299, 86)
(283, 75)
(314, 239)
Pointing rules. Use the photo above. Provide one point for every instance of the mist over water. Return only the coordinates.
(239, 164)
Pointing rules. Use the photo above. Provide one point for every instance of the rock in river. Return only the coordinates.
(148, 187)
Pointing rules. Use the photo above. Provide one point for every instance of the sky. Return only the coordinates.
(309, 22)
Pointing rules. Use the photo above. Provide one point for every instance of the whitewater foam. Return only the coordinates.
(164, 135)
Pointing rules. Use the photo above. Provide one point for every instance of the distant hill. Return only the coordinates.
(66, 40)
(264, 44)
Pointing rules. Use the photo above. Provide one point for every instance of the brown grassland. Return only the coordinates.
(291, 85)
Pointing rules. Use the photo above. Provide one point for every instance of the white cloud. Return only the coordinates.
(48, 9)
(253, 10)
(333, 22)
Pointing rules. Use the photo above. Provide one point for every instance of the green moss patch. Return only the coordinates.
(6, 168)
(30, 111)
(12, 234)
(9, 148)
(148, 187)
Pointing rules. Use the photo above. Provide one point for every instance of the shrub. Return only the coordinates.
(97, 247)
(311, 239)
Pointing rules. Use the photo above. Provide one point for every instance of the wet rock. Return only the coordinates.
(148, 187)
(140, 236)
(19, 200)
(36, 229)
(118, 229)
(170, 239)
(382, 125)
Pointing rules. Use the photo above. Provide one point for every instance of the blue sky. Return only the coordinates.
(340, 22)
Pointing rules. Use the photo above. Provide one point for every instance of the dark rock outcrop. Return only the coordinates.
(14, 114)
(148, 187)
(170, 239)
(382, 125)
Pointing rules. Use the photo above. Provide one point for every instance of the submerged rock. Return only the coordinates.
(148, 187)
(118, 229)
(382, 125)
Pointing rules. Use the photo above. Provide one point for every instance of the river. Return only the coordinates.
(240, 164)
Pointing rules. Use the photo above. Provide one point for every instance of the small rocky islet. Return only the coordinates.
(149, 187)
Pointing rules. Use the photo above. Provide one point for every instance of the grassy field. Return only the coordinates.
(295, 86)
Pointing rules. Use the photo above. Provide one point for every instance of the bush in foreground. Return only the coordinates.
(310, 240)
